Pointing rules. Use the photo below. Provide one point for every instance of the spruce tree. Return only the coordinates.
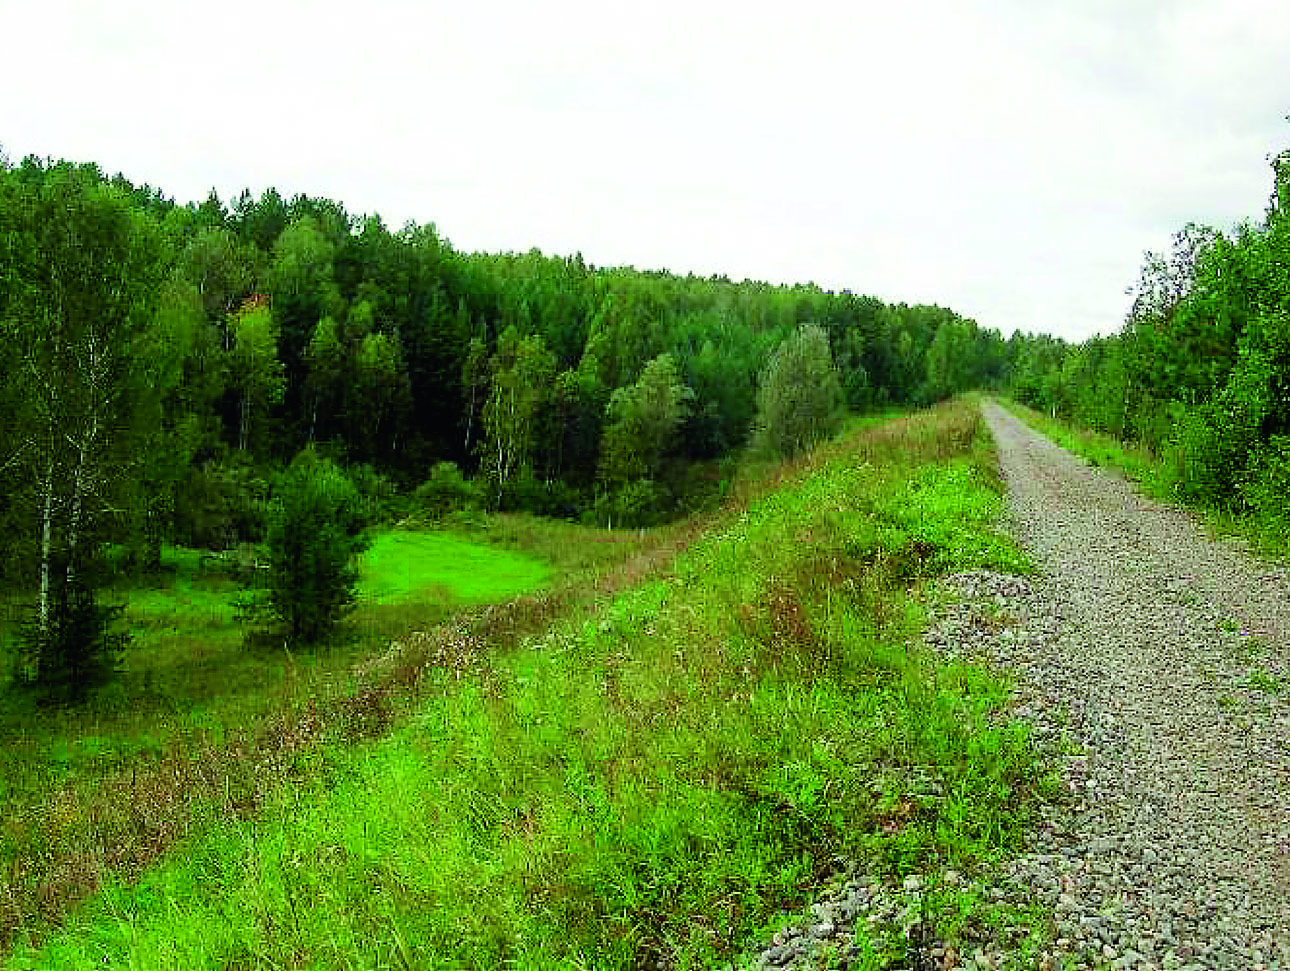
(313, 539)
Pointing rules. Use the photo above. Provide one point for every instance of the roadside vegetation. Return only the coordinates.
(1197, 382)
(1158, 475)
(647, 763)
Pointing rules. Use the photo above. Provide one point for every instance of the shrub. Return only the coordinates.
(224, 503)
(554, 499)
(446, 491)
(640, 503)
(1266, 484)
(378, 496)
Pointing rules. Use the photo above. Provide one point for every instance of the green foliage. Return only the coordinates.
(74, 651)
(651, 783)
(446, 491)
(643, 422)
(634, 504)
(379, 499)
(256, 372)
(1264, 487)
(313, 537)
(1200, 375)
(799, 398)
(522, 372)
(224, 502)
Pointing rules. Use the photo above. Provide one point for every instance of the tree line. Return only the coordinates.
(1200, 372)
(162, 365)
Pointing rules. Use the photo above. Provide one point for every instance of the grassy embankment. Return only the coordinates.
(1157, 475)
(108, 788)
(651, 780)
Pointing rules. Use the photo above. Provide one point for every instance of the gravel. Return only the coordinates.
(1153, 662)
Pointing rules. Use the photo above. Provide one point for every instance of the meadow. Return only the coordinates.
(650, 759)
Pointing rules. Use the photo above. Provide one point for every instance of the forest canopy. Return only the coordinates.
(163, 361)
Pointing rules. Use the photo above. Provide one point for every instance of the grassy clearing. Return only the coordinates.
(403, 567)
(651, 781)
(1156, 475)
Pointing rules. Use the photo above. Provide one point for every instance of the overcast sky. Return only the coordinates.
(1011, 160)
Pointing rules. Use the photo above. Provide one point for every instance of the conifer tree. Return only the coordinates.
(313, 538)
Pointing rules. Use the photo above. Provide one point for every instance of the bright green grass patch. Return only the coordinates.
(191, 681)
(654, 783)
(403, 566)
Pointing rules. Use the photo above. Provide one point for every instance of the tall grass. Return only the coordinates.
(111, 786)
(648, 782)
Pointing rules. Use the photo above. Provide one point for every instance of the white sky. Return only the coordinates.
(1010, 159)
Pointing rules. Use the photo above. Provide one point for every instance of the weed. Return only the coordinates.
(1261, 680)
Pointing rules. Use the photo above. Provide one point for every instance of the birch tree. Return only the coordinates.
(255, 371)
(523, 370)
(81, 288)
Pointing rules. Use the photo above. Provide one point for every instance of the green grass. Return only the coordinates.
(191, 686)
(654, 781)
(402, 567)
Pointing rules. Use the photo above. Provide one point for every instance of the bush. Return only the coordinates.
(1266, 484)
(637, 504)
(224, 503)
(1216, 441)
(446, 491)
(554, 499)
(378, 496)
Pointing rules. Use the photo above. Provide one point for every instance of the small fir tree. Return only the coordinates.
(313, 538)
(73, 651)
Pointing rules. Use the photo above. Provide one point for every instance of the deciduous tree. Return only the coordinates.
(799, 399)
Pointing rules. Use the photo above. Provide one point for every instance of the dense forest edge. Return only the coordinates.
(1197, 382)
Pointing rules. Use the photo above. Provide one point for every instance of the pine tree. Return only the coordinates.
(799, 400)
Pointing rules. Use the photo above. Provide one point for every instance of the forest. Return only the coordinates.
(538, 738)
(163, 365)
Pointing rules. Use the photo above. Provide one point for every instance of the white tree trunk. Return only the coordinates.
(46, 543)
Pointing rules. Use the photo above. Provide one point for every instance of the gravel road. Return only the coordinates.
(1154, 662)
(1170, 660)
